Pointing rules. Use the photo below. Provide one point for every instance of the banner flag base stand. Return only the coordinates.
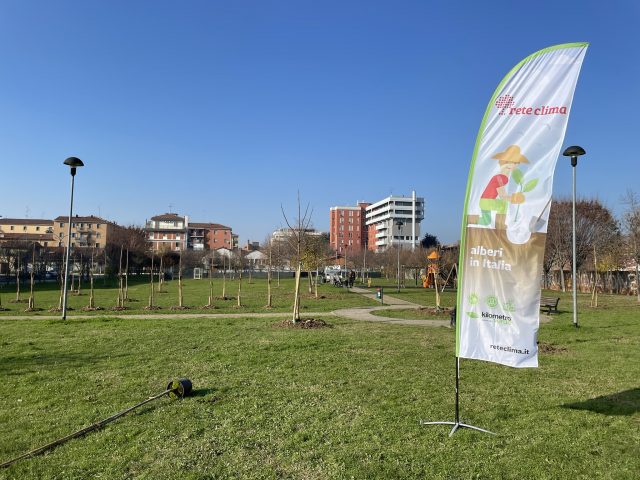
(457, 424)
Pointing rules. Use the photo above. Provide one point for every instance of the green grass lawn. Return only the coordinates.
(195, 293)
(333, 403)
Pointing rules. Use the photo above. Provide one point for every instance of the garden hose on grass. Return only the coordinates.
(175, 389)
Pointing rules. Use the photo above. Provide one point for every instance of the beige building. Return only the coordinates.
(90, 232)
(167, 232)
(27, 230)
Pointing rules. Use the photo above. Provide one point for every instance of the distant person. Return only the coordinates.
(352, 278)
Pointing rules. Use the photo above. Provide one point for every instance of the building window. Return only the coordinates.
(88, 225)
(73, 235)
(177, 244)
(350, 213)
(46, 244)
(24, 228)
(11, 228)
(37, 229)
(98, 235)
(97, 225)
(61, 224)
(97, 245)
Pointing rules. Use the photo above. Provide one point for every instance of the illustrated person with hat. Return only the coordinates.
(495, 198)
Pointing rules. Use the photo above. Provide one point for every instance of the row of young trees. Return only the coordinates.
(605, 245)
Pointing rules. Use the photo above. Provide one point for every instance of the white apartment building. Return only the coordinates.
(167, 232)
(395, 220)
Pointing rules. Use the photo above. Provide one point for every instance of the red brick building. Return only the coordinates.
(209, 236)
(347, 228)
(171, 231)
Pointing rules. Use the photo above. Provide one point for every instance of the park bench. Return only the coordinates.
(550, 303)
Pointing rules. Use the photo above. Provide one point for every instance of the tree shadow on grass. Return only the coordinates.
(621, 403)
(35, 361)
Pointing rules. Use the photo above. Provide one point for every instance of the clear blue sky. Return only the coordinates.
(225, 109)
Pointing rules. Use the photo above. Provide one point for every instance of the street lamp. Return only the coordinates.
(400, 224)
(73, 163)
(574, 152)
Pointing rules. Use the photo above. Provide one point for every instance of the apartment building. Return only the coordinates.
(167, 232)
(173, 232)
(395, 220)
(347, 228)
(210, 236)
(30, 230)
(89, 232)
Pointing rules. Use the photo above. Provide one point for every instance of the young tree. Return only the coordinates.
(32, 303)
(297, 239)
(91, 298)
(125, 296)
(210, 262)
(120, 299)
(161, 274)
(631, 223)
(18, 269)
(180, 292)
(240, 268)
(151, 305)
(269, 247)
(224, 277)
(315, 251)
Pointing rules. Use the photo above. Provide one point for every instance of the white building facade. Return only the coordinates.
(395, 221)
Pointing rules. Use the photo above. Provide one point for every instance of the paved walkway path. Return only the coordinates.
(390, 303)
(363, 314)
(355, 313)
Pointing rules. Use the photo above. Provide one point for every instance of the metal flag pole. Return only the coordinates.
(176, 389)
(457, 423)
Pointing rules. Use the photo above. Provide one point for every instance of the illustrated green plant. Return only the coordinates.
(518, 177)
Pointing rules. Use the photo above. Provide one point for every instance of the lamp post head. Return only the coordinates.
(73, 162)
(574, 152)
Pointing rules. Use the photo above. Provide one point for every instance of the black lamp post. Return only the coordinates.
(73, 163)
(574, 152)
